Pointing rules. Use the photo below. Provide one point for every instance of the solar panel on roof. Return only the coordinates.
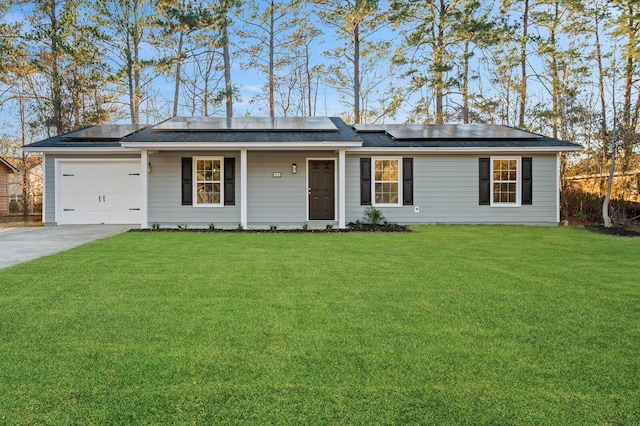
(369, 128)
(456, 131)
(290, 123)
(105, 132)
(254, 124)
(319, 123)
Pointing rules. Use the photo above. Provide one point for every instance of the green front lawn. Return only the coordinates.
(447, 325)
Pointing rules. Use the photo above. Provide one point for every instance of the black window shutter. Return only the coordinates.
(365, 181)
(485, 181)
(187, 182)
(229, 181)
(407, 181)
(527, 181)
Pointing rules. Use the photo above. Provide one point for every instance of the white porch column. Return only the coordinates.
(243, 188)
(342, 209)
(558, 185)
(144, 174)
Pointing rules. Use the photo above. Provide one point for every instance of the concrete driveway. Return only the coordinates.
(20, 244)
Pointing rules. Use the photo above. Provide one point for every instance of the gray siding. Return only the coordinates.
(446, 191)
(280, 200)
(165, 194)
(49, 188)
(271, 200)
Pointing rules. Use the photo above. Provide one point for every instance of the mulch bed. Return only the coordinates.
(613, 230)
(351, 227)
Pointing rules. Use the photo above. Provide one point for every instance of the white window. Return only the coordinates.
(207, 178)
(505, 181)
(387, 176)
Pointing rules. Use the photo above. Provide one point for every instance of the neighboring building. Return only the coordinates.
(257, 172)
(5, 170)
(34, 187)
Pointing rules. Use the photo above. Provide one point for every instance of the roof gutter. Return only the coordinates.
(9, 166)
(80, 150)
(164, 146)
(464, 150)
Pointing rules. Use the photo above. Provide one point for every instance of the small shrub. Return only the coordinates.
(182, 226)
(305, 226)
(373, 216)
(239, 227)
(359, 225)
(212, 227)
(155, 226)
(328, 227)
(273, 227)
(14, 207)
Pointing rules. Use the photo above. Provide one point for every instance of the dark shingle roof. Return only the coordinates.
(344, 133)
(383, 140)
(70, 140)
(441, 136)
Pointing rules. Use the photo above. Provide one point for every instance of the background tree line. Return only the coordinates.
(565, 68)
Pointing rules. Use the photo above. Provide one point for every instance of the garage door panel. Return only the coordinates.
(106, 192)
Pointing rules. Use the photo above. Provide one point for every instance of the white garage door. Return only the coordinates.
(96, 192)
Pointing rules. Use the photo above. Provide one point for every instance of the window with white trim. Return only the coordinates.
(505, 181)
(207, 178)
(387, 176)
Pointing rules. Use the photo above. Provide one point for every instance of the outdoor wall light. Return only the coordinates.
(148, 167)
(294, 168)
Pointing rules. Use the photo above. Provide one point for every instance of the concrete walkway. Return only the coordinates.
(20, 244)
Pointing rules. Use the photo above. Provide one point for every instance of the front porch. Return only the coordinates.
(286, 189)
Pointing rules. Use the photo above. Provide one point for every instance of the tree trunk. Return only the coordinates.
(226, 58)
(272, 101)
(603, 102)
(465, 85)
(56, 83)
(607, 197)
(176, 92)
(438, 59)
(356, 73)
(308, 75)
(523, 64)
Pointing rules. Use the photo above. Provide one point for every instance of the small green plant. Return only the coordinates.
(359, 225)
(328, 227)
(273, 227)
(305, 226)
(183, 226)
(212, 226)
(373, 216)
(392, 226)
(15, 207)
(240, 227)
(155, 226)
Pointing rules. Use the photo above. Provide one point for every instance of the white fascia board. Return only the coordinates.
(461, 150)
(8, 165)
(81, 150)
(235, 146)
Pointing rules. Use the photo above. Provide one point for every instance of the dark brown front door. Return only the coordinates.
(321, 190)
